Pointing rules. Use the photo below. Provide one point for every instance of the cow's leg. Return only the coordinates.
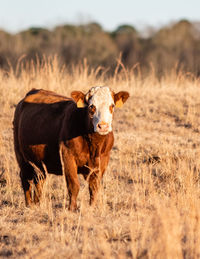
(27, 180)
(71, 176)
(94, 183)
(32, 183)
(73, 186)
(38, 189)
(39, 179)
(95, 178)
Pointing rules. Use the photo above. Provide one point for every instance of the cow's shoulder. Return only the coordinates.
(44, 96)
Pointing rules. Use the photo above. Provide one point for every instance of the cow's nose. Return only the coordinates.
(103, 126)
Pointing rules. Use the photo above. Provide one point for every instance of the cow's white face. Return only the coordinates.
(101, 102)
(101, 106)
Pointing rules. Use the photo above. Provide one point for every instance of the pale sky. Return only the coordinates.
(16, 15)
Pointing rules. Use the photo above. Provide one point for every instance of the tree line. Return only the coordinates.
(173, 46)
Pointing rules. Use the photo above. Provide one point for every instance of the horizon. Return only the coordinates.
(143, 29)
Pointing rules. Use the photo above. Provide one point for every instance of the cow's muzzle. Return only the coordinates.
(102, 128)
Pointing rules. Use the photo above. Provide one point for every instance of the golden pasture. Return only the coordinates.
(149, 201)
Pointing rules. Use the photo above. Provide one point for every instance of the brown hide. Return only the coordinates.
(44, 96)
(47, 125)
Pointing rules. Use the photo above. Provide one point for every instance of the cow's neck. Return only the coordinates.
(96, 143)
(95, 139)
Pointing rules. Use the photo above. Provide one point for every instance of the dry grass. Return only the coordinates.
(149, 200)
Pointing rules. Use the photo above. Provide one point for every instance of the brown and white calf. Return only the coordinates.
(71, 135)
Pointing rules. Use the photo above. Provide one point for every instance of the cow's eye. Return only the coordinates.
(92, 109)
(111, 108)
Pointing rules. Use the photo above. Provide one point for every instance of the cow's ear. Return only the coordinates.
(120, 98)
(79, 98)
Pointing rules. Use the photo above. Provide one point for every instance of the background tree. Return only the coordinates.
(176, 45)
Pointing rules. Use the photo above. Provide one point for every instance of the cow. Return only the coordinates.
(60, 135)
